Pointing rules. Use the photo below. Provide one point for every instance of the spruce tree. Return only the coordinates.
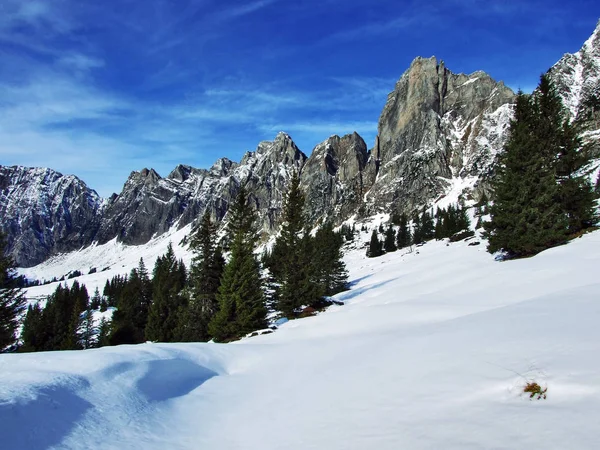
(295, 248)
(12, 300)
(389, 242)
(527, 216)
(204, 280)
(167, 283)
(32, 332)
(330, 274)
(375, 246)
(403, 237)
(240, 295)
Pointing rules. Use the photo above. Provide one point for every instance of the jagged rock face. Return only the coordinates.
(44, 212)
(332, 178)
(150, 205)
(577, 79)
(265, 173)
(436, 125)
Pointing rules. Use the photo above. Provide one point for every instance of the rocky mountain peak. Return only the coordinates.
(436, 125)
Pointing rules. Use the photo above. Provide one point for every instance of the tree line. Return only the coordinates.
(445, 223)
(542, 194)
(217, 298)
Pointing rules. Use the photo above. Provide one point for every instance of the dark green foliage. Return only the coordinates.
(104, 331)
(375, 246)
(539, 197)
(96, 300)
(87, 332)
(347, 232)
(133, 305)
(293, 269)
(204, 281)
(389, 242)
(12, 301)
(451, 221)
(168, 280)
(31, 335)
(404, 236)
(330, 274)
(240, 296)
(59, 324)
(242, 218)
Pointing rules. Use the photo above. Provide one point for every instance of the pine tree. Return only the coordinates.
(87, 331)
(427, 229)
(294, 246)
(103, 333)
(204, 280)
(167, 283)
(375, 246)
(330, 274)
(242, 218)
(32, 332)
(240, 295)
(403, 237)
(12, 300)
(389, 243)
(527, 216)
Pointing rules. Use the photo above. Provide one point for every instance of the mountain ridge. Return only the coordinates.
(438, 130)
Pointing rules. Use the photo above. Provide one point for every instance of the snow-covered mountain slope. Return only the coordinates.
(431, 350)
(57, 213)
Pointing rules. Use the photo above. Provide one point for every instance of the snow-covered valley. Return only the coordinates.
(431, 350)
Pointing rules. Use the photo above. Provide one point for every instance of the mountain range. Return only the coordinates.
(439, 131)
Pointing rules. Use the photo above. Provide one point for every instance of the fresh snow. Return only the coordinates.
(430, 350)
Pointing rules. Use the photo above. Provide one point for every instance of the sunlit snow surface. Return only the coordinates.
(431, 350)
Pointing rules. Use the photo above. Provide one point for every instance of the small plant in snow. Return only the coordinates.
(535, 390)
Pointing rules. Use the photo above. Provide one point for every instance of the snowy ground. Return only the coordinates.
(430, 351)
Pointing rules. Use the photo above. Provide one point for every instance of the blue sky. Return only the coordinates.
(99, 89)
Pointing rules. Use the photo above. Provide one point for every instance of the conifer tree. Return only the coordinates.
(242, 218)
(240, 295)
(204, 280)
(389, 243)
(330, 273)
(12, 300)
(87, 332)
(403, 237)
(295, 248)
(32, 332)
(527, 216)
(103, 333)
(167, 282)
(375, 246)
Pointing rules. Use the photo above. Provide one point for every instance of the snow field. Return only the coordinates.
(430, 350)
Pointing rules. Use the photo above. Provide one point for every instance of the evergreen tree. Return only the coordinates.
(375, 246)
(330, 274)
(427, 228)
(204, 280)
(96, 299)
(295, 248)
(12, 300)
(527, 216)
(417, 235)
(240, 295)
(403, 237)
(389, 243)
(87, 331)
(32, 333)
(103, 333)
(242, 218)
(167, 283)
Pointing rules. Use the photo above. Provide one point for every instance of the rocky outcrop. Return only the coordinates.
(44, 212)
(332, 178)
(435, 126)
(577, 79)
